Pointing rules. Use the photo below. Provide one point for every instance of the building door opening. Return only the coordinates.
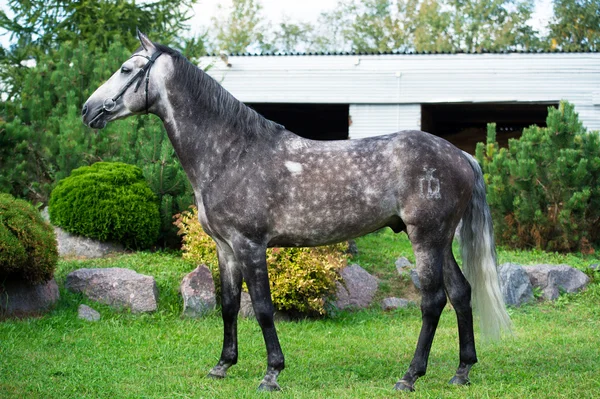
(465, 124)
(312, 121)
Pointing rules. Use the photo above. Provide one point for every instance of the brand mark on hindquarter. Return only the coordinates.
(430, 185)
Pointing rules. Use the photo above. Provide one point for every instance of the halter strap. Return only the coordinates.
(109, 104)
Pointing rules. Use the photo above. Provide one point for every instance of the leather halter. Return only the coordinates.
(109, 104)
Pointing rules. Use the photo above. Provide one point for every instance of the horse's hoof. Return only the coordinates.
(459, 380)
(217, 373)
(404, 386)
(270, 387)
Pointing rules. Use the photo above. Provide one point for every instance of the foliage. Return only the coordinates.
(108, 202)
(240, 26)
(301, 278)
(575, 26)
(431, 25)
(544, 189)
(38, 26)
(27, 243)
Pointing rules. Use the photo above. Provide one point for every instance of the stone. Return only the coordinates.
(20, 299)
(515, 284)
(403, 264)
(116, 287)
(392, 303)
(246, 309)
(555, 278)
(357, 289)
(84, 312)
(198, 292)
(83, 247)
(414, 277)
(595, 266)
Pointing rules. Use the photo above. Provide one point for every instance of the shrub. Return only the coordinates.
(301, 278)
(544, 189)
(108, 201)
(27, 243)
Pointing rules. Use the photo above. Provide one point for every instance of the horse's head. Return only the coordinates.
(133, 89)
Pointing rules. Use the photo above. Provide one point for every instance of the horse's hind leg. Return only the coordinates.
(459, 292)
(430, 259)
(231, 289)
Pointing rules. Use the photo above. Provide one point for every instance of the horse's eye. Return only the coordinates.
(125, 70)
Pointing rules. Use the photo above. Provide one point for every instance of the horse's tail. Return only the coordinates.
(479, 260)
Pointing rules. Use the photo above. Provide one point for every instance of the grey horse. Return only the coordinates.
(258, 185)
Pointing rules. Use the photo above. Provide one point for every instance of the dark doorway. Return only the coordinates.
(313, 121)
(465, 124)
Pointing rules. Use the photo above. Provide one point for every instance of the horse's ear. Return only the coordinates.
(144, 41)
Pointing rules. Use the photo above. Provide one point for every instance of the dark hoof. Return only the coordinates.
(215, 376)
(460, 380)
(264, 387)
(404, 386)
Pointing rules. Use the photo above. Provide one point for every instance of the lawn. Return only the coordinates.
(554, 352)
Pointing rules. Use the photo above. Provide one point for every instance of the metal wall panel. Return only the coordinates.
(415, 79)
(376, 119)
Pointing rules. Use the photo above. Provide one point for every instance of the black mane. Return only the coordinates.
(200, 85)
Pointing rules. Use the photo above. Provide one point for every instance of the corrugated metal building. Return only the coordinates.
(452, 95)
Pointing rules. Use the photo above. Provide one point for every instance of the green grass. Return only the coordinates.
(554, 351)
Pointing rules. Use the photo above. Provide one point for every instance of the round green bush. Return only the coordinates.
(107, 201)
(27, 243)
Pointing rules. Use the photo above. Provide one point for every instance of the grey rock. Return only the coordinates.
(116, 287)
(246, 309)
(595, 266)
(515, 284)
(357, 290)
(86, 313)
(83, 247)
(20, 299)
(403, 264)
(414, 277)
(554, 278)
(395, 303)
(198, 292)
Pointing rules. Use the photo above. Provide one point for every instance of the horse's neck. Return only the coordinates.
(205, 143)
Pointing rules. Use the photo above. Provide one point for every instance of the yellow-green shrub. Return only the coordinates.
(301, 278)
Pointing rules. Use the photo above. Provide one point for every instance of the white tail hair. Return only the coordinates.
(478, 253)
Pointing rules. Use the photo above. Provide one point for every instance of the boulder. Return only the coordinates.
(84, 312)
(414, 277)
(198, 292)
(395, 303)
(554, 278)
(246, 309)
(357, 289)
(515, 284)
(116, 287)
(20, 299)
(81, 247)
(403, 264)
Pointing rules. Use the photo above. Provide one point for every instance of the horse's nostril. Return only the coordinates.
(84, 110)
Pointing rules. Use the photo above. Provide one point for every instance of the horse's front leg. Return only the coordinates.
(254, 266)
(231, 289)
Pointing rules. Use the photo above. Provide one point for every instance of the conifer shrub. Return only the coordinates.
(301, 279)
(544, 189)
(107, 201)
(27, 243)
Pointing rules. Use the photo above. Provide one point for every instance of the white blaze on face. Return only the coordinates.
(294, 167)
